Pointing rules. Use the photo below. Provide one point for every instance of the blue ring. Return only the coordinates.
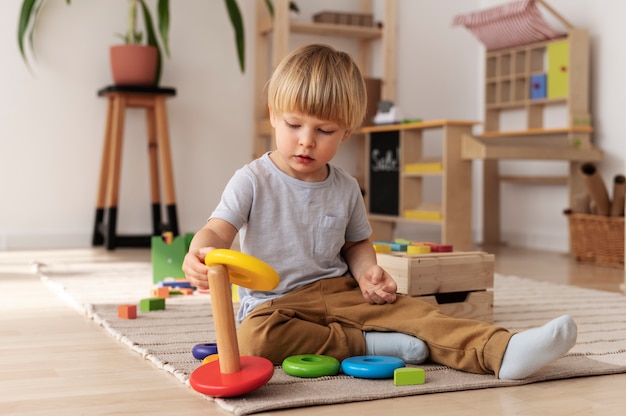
(371, 366)
(201, 351)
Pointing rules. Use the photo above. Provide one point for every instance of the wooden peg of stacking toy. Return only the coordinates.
(233, 375)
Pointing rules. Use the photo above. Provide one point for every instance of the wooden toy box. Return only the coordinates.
(460, 283)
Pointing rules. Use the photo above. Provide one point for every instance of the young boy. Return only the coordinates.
(307, 219)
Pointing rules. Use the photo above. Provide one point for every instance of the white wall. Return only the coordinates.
(51, 123)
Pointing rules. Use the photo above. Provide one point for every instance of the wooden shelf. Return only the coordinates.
(418, 125)
(525, 103)
(325, 29)
(537, 180)
(526, 147)
(423, 167)
(391, 219)
(539, 132)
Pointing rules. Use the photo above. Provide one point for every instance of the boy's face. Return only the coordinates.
(305, 144)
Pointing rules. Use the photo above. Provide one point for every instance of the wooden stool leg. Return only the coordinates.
(153, 156)
(119, 109)
(166, 163)
(98, 236)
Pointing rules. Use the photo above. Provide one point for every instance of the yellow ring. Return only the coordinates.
(244, 269)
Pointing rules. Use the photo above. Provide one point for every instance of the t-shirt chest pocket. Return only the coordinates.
(330, 236)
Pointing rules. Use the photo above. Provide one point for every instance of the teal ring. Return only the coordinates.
(311, 365)
(371, 366)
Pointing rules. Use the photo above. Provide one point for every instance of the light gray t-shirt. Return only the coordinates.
(296, 227)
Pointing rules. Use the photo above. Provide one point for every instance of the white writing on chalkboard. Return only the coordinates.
(384, 163)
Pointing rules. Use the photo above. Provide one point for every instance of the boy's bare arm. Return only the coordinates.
(215, 234)
(376, 284)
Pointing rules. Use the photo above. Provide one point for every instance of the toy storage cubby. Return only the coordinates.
(529, 77)
(399, 197)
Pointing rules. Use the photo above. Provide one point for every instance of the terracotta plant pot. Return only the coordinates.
(133, 64)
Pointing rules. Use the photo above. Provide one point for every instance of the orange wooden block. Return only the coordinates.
(161, 292)
(127, 311)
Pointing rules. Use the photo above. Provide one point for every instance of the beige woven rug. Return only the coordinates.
(166, 337)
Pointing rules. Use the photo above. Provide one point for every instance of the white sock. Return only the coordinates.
(530, 350)
(396, 344)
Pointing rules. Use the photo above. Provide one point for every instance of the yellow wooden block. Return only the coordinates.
(414, 249)
(423, 167)
(382, 248)
(415, 214)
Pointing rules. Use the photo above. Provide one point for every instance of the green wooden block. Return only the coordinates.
(151, 304)
(407, 376)
(167, 259)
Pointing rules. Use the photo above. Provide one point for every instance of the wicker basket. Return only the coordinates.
(596, 239)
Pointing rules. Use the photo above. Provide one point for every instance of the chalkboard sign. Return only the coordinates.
(384, 170)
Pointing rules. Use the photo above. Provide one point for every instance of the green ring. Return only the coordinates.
(311, 365)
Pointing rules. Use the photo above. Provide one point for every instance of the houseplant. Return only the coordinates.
(31, 8)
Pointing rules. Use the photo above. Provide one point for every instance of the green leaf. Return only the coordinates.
(270, 7)
(152, 40)
(27, 16)
(163, 8)
(235, 18)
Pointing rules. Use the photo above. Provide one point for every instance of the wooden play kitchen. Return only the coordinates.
(530, 68)
(459, 283)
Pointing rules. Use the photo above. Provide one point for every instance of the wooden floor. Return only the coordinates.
(55, 361)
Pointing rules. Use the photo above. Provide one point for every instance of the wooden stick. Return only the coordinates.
(224, 318)
(556, 14)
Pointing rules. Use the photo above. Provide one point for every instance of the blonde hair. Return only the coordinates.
(320, 81)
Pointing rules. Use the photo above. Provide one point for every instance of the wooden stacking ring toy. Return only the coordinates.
(201, 351)
(311, 365)
(232, 375)
(371, 366)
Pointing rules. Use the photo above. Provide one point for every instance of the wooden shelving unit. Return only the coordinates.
(530, 78)
(273, 43)
(453, 212)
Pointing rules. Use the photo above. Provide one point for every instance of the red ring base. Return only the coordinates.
(209, 380)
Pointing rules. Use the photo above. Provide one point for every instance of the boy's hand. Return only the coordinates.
(194, 268)
(377, 286)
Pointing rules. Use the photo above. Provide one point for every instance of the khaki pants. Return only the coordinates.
(329, 316)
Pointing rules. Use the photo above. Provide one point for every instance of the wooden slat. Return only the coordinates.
(418, 125)
(538, 132)
(539, 180)
(332, 29)
(525, 148)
